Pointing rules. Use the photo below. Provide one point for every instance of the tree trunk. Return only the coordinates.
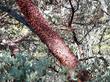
(41, 27)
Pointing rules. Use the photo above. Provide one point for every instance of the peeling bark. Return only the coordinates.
(41, 27)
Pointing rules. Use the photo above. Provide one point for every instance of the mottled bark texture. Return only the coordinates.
(41, 27)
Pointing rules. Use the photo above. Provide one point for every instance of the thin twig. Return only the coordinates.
(86, 34)
(73, 11)
(101, 58)
(72, 14)
(70, 22)
(87, 58)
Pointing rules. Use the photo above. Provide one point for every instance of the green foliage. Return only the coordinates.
(23, 67)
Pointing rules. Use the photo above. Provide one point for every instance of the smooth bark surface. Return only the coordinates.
(41, 27)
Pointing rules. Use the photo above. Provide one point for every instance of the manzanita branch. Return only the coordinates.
(13, 13)
(53, 41)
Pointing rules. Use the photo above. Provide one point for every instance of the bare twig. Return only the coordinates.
(73, 11)
(87, 34)
(53, 69)
(1, 17)
(72, 14)
(105, 12)
(101, 58)
(87, 58)
(70, 22)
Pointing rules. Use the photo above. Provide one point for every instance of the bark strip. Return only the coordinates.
(41, 27)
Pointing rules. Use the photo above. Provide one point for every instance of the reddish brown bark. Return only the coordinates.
(53, 41)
